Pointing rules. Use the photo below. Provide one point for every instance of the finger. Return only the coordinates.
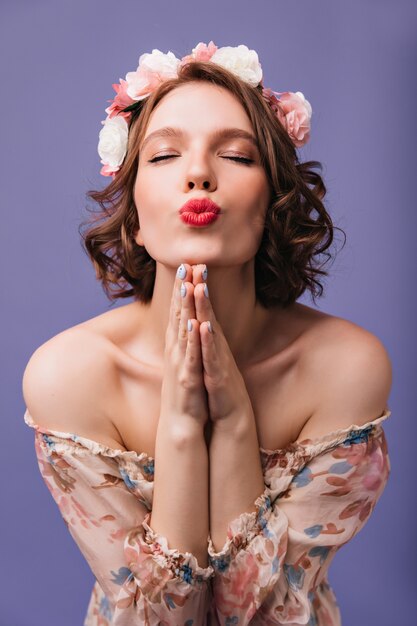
(209, 351)
(203, 309)
(209, 337)
(193, 348)
(200, 273)
(187, 312)
(184, 273)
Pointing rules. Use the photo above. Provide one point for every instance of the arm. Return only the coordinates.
(315, 499)
(180, 504)
(104, 495)
(105, 499)
(236, 477)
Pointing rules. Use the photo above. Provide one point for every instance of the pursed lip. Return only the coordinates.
(201, 205)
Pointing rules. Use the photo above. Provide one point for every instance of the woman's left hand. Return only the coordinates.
(228, 398)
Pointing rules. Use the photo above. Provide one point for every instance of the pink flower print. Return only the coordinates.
(353, 452)
(152, 576)
(376, 471)
(360, 508)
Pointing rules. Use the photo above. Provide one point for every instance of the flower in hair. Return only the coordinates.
(292, 109)
(241, 62)
(153, 68)
(113, 144)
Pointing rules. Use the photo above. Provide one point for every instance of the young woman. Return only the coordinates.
(214, 442)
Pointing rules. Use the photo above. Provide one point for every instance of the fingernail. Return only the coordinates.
(183, 290)
(206, 293)
(189, 325)
(209, 326)
(204, 273)
(181, 271)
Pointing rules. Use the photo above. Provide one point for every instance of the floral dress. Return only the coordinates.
(273, 567)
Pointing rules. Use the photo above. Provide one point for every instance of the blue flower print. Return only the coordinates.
(303, 478)
(148, 468)
(294, 576)
(358, 436)
(313, 531)
(130, 484)
(321, 551)
(104, 608)
(120, 577)
(340, 468)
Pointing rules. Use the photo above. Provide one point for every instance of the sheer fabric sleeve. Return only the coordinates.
(105, 501)
(315, 500)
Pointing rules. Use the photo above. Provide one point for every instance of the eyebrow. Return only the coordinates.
(220, 133)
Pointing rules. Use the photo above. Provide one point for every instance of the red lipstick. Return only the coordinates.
(199, 212)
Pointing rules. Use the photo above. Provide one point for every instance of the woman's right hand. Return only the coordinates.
(184, 402)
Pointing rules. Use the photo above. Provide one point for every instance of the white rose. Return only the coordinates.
(152, 68)
(240, 61)
(112, 145)
(159, 62)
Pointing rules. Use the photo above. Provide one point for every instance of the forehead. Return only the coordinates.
(200, 108)
(216, 135)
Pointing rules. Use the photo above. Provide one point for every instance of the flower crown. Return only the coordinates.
(292, 109)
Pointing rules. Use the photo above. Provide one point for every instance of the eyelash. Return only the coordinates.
(242, 160)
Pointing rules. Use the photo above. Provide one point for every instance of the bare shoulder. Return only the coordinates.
(68, 384)
(352, 372)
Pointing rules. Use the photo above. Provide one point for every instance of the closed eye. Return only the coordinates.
(171, 156)
(240, 159)
(167, 156)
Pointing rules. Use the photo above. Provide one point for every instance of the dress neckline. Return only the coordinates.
(302, 446)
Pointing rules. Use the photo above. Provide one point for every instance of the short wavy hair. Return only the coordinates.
(297, 228)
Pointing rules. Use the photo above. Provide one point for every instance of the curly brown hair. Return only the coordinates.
(285, 263)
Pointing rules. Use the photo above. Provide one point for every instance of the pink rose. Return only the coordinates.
(202, 52)
(297, 111)
(142, 83)
(107, 170)
(121, 101)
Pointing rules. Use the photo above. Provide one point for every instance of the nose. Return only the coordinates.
(199, 174)
(204, 184)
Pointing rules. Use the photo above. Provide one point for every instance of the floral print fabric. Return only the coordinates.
(273, 566)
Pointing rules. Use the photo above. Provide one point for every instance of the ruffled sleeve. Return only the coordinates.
(105, 498)
(315, 500)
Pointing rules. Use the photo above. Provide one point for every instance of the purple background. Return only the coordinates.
(356, 64)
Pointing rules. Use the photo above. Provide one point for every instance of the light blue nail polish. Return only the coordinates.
(181, 271)
(204, 273)
(206, 293)
(189, 325)
(183, 290)
(209, 326)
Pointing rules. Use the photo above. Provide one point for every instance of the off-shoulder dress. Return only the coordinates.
(273, 567)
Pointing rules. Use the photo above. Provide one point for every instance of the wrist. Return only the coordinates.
(180, 430)
(236, 424)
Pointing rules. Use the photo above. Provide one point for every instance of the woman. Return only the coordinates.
(213, 443)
